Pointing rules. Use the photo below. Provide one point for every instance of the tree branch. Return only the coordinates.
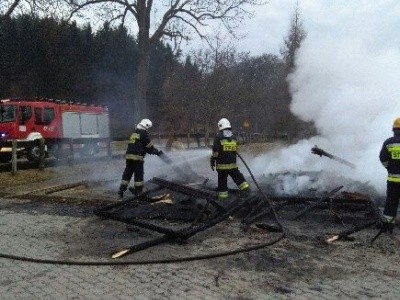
(10, 10)
(76, 7)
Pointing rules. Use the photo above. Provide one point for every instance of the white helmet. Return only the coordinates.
(223, 124)
(145, 124)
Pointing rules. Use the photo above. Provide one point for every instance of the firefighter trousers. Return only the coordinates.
(133, 167)
(392, 199)
(236, 176)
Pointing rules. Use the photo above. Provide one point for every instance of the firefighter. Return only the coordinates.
(390, 158)
(223, 159)
(139, 144)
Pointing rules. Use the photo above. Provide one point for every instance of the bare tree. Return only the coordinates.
(217, 90)
(54, 8)
(258, 80)
(293, 40)
(177, 20)
(295, 127)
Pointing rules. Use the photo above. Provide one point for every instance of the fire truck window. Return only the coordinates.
(38, 115)
(7, 113)
(26, 114)
(48, 115)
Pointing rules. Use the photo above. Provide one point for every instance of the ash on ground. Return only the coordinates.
(313, 185)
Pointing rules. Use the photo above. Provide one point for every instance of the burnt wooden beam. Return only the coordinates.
(141, 246)
(252, 216)
(182, 234)
(119, 204)
(184, 189)
(65, 187)
(316, 203)
(344, 234)
(135, 222)
(379, 218)
(190, 191)
(235, 207)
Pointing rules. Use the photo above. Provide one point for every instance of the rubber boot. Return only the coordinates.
(132, 190)
(122, 189)
(245, 193)
(136, 190)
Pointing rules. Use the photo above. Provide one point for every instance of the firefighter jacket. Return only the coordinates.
(139, 144)
(224, 150)
(390, 157)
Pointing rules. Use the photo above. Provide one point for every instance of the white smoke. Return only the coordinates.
(347, 81)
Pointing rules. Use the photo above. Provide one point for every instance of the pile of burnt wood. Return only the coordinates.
(179, 211)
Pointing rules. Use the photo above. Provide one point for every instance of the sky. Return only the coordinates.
(267, 29)
(346, 81)
(263, 33)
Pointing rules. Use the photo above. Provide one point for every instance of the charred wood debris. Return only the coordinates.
(179, 210)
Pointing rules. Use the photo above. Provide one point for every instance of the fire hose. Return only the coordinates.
(142, 262)
(320, 152)
(277, 219)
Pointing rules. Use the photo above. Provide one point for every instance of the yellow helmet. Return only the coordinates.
(396, 124)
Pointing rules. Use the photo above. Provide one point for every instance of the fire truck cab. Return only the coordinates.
(56, 121)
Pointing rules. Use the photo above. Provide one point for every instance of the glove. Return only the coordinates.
(156, 152)
(212, 163)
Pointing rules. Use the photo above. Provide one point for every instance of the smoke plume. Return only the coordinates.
(346, 81)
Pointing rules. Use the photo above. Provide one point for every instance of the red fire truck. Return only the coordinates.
(57, 122)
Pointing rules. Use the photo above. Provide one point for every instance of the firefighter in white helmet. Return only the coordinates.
(139, 144)
(223, 159)
(390, 158)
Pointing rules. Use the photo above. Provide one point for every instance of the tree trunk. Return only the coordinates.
(143, 21)
(141, 109)
(171, 139)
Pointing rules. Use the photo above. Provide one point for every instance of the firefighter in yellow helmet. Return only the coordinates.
(390, 158)
(138, 145)
(223, 159)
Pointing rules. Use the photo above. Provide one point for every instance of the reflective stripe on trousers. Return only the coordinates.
(223, 195)
(244, 186)
(226, 166)
(134, 157)
(138, 183)
(393, 178)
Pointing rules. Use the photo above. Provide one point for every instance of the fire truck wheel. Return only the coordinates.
(33, 154)
(5, 157)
